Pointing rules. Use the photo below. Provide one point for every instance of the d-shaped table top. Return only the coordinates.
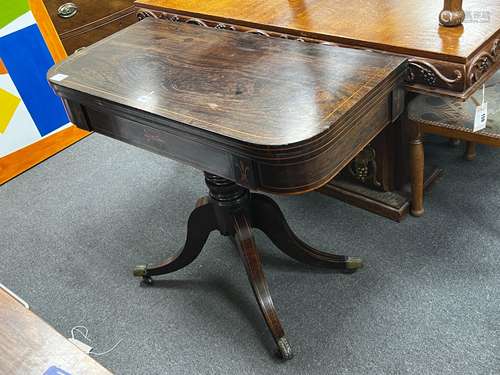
(194, 94)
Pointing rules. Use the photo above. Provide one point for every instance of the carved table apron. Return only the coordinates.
(442, 61)
(253, 113)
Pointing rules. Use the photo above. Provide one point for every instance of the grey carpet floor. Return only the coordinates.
(427, 301)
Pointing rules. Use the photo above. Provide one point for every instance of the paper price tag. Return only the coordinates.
(481, 117)
(59, 77)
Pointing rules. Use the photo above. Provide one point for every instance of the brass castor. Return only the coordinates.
(285, 350)
(147, 280)
(352, 264)
(141, 271)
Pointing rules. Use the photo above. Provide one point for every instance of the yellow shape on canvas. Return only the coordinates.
(8, 105)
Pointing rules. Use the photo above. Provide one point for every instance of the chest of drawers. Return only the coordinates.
(80, 23)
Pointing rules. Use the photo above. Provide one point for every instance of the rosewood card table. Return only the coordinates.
(443, 61)
(253, 113)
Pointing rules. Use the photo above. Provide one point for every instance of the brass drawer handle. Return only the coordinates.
(78, 50)
(67, 10)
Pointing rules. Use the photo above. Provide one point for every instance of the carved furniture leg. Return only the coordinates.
(245, 243)
(470, 150)
(234, 211)
(452, 13)
(201, 222)
(267, 216)
(416, 149)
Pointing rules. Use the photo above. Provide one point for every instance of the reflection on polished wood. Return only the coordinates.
(401, 26)
(28, 345)
(443, 60)
(270, 102)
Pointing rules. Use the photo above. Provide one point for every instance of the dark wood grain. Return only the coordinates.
(245, 243)
(443, 70)
(267, 216)
(248, 108)
(235, 212)
(259, 91)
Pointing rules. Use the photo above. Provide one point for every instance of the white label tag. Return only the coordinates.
(58, 77)
(481, 117)
(81, 345)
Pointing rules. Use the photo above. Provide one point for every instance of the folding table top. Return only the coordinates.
(245, 87)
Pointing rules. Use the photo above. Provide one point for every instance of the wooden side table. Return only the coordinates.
(454, 119)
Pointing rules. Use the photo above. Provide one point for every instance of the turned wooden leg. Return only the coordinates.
(470, 151)
(416, 149)
(245, 243)
(233, 211)
(201, 222)
(267, 216)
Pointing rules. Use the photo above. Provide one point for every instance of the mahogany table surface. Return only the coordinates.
(450, 61)
(271, 101)
(28, 345)
(403, 26)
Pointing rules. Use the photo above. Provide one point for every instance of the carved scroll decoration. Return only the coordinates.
(196, 21)
(482, 63)
(364, 167)
(258, 32)
(430, 73)
(223, 26)
(144, 13)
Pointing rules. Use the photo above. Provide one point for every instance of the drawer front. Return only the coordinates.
(87, 11)
(90, 35)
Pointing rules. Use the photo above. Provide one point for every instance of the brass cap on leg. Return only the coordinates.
(353, 263)
(140, 271)
(285, 350)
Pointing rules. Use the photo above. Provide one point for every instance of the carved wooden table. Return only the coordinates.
(253, 113)
(445, 61)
